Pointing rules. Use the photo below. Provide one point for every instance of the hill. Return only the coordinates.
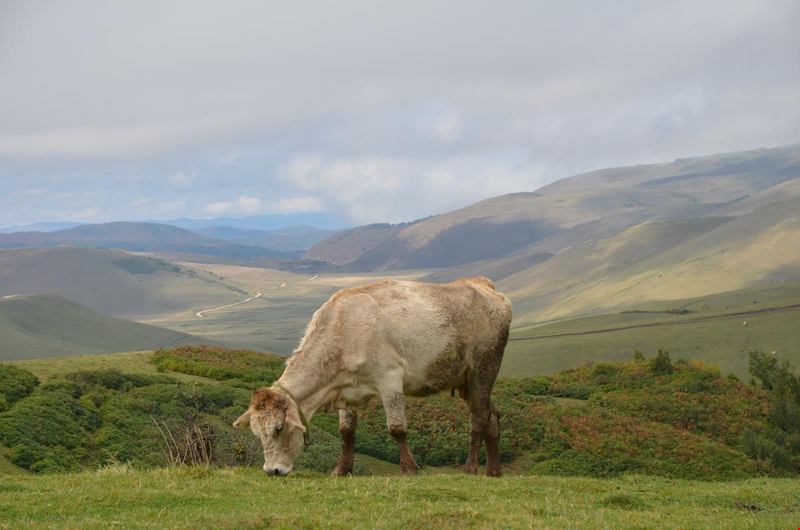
(42, 326)
(661, 260)
(113, 282)
(142, 237)
(289, 239)
(718, 329)
(590, 205)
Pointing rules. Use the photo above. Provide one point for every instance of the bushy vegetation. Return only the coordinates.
(656, 416)
(15, 384)
(90, 418)
(677, 419)
(143, 265)
(221, 363)
(780, 443)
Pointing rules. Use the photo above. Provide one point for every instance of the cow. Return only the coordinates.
(390, 339)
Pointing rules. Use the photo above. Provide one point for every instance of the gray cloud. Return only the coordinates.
(371, 111)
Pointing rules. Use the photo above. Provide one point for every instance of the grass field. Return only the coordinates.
(724, 339)
(129, 363)
(246, 498)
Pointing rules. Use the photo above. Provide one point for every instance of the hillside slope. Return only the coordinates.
(662, 260)
(112, 282)
(595, 203)
(142, 237)
(289, 239)
(43, 326)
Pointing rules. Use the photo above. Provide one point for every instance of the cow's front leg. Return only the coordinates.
(394, 403)
(348, 420)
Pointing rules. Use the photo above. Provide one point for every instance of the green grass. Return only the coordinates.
(724, 342)
(129, 362)
(42, 326)
(246, 498)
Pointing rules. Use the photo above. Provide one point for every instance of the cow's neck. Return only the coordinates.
(311, 383)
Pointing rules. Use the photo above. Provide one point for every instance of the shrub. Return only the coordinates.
(48, 431)
(15, 383)
(661, 364)
(221, 363)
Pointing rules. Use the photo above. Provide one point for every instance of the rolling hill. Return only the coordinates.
(579, 208)
(661, 260)
(141, 237)
(289, 239)
(41, 326)
(112, 282)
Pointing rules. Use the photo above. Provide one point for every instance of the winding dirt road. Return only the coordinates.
(201, 314)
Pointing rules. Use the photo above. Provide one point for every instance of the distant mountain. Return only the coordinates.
(323, 220)
(112, 282)
(141, 237)
(42, 326)
(527, 226)
(288, 239)
(38, 227)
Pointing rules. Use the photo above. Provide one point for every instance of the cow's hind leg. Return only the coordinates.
(492, 439)
(484, 416)
(348, 420)
(394, 403)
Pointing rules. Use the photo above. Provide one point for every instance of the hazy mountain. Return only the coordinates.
(288, 239)
(42, 326)
(142, 237)
(38, 227)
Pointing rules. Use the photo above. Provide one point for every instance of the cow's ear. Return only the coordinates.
(244, 420)
(294, 424)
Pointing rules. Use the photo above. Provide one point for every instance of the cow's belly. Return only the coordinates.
(442, 373)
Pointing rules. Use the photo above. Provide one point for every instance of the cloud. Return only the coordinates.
(180, 179)
(368, 190)
(243, 206)
(373, 111)
(297, 205)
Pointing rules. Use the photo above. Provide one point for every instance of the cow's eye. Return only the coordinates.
(278, 430)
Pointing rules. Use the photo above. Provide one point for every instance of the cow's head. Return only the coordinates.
(274, 418)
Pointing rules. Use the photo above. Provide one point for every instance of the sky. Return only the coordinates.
(370, 111)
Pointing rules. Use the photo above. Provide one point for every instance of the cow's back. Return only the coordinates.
(437, 332)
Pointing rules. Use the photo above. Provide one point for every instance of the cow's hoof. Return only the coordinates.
(493, 472)
(341, 472)
(408, 470)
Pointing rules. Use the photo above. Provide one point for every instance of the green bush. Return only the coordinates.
(49, 431)
(661, 364)
(15, 384)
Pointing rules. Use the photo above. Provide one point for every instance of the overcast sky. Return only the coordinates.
(372, 111)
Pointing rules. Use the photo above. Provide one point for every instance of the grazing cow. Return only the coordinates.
(389, 339)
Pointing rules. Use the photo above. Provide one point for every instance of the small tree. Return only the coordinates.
(638, 355)
(662, 364)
